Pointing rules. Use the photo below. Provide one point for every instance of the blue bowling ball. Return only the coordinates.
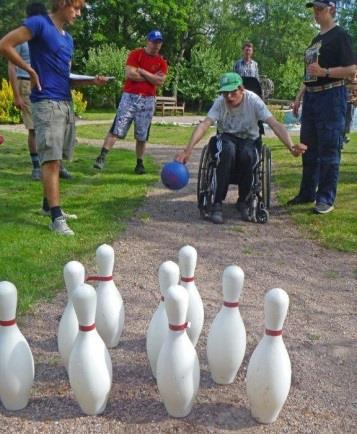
(175, 175)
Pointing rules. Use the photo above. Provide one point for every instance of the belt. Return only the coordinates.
(327, 86)
(24, 78)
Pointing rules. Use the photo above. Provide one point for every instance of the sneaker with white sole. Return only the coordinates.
(60, 226)
(64, 174)
(99, 163)
(67, 216)
(323, 208)
(36, 174)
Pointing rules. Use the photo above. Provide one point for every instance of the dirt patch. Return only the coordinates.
(320, 331)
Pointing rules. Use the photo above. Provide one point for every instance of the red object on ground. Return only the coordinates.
(1, 140)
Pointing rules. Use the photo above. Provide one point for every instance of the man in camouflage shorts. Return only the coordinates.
(145, 70)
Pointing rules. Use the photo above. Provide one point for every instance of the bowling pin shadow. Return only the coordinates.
(133, 374)
(136, 411)
(221, 416)
(48, 408)
(49, 344)
(135, 345)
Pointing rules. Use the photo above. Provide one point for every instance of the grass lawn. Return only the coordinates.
(31, 256)
(337, 230)
(159, 134)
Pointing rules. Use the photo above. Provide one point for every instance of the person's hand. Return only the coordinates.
(35, 80)
(315, 69)
(183, 156)
(298, 150)
(100, 80)
(20, 103)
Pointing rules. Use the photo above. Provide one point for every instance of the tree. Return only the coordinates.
(199, 75)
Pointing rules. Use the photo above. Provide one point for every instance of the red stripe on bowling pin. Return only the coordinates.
(273, 332)
(8, 323)
(87, 328)
(179, 327)
(229, 304)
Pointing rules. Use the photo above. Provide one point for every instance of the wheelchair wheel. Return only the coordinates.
(204, 191)
(266, 172)
(262, 216)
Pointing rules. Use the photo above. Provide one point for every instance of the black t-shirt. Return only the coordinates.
(333, 48)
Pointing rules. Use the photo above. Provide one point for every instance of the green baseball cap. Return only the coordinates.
(230, 81)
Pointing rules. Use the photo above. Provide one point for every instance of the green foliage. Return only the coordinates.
(198, 77)
(289, 78)
(9, 114)
(79, 103)
(106, 60)
(277, 113)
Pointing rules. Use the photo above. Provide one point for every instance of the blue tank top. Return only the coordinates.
(24, 52)
(51, 54)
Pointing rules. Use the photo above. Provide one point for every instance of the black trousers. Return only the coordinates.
(236, 159)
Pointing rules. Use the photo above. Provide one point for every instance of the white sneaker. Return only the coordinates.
(59, 225)
(65, 215)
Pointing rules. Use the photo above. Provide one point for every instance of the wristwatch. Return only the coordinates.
(327, 72)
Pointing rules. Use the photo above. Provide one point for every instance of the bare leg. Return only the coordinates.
(109, 141)
(50, 180)
(31, 142)
(140, 149)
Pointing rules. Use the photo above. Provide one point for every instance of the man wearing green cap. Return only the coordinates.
(236, 112)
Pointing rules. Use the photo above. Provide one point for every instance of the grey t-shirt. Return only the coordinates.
(23, 50)
(241, 121)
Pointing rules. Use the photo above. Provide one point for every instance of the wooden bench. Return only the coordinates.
(168, 104)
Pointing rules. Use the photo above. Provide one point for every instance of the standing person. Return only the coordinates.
(328, 61)
(145, 70)
(236, 112)
(21, 86)
(246, 66)
(351, 102)
(51, 50)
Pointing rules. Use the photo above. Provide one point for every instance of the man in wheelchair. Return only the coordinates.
(236, 112)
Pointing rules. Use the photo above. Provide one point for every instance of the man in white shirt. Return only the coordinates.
(236, 112)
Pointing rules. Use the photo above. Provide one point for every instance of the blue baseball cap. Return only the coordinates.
(155, 35)
(322, 3)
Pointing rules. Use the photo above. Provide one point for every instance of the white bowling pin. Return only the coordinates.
(269, 369)
(227, 337)
(178, 370)
(17, 369)
(195, 314)
(169, 274)
(74, 274)
(110, 308)
(90, 366)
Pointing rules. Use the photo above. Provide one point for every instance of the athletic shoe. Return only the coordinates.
(36, 174)
(139, 169)
(99, 163)
(64, 174)
(217, 214)
(323, 208)
(298, 200)
(65, 215)
(59, 225)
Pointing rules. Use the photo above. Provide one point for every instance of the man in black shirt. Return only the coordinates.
(328, 61)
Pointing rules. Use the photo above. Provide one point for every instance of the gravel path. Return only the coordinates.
(320, 331)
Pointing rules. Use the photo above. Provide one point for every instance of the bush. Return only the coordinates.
(9, 114)
(79, 103)
(106, 60)
(277, 113)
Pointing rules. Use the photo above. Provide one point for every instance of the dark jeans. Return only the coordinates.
(237, 159)
(322, 130)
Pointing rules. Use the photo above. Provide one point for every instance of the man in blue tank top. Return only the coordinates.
(51, 50)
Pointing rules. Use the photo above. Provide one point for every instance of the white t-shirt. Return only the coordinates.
(241, 121)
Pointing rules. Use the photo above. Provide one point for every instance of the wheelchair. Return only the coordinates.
(260, 195)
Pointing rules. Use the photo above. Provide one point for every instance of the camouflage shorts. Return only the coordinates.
(137, 108)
